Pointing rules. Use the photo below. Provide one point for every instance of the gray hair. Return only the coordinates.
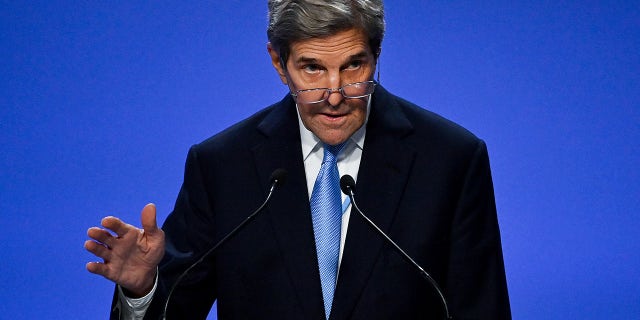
(295, 20)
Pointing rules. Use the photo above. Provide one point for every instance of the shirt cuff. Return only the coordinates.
(135, 308)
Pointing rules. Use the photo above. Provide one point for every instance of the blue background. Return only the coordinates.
(99, 103)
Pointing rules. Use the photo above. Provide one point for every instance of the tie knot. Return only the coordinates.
(331, 152)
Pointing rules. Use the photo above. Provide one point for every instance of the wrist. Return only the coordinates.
(145, 287)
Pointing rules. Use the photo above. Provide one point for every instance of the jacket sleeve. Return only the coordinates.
(478, 292)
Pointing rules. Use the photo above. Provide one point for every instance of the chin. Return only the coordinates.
(333, 139)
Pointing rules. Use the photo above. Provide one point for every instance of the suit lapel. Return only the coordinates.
(385, 165)
(289, 210)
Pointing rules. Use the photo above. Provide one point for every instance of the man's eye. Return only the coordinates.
(311, 68)
(354, 65)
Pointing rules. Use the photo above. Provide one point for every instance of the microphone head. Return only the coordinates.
(347, 184)
(279, 176)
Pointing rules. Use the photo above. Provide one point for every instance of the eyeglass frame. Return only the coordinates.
(329, 91)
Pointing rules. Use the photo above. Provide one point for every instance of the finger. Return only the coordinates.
(116, 225)
(98, 268)
(148, 218)
(100, 235)
(98, 249)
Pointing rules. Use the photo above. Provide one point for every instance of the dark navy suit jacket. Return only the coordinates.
(423, 179)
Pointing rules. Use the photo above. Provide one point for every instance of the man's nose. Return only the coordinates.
(335, 97)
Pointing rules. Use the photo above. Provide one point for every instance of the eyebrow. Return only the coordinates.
(359, 55)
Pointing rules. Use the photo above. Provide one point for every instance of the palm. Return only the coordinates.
(132, 255)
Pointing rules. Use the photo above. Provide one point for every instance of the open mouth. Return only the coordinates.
(333, 118)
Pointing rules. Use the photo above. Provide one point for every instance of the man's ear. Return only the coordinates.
(277, 62)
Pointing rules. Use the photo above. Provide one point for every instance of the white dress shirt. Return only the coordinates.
(348, 163)
(312, 154)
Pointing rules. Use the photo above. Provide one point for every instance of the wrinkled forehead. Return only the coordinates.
(345, 45)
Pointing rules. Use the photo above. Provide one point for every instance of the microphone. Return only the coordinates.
(348, 186)
(278, 177)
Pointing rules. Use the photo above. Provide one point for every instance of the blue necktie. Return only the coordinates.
(326, 213)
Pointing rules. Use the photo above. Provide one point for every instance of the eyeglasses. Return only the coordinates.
(349, 91)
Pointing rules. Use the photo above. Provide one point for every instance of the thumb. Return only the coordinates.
(148, 218)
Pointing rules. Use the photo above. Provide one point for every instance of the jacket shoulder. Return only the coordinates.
(426, 125)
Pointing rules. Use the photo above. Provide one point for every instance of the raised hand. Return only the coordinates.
(130, 258)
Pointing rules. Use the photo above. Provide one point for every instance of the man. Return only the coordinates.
(424, 180)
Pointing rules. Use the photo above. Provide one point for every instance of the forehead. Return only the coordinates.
(335, 48)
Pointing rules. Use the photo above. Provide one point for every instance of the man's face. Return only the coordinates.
(329, 62)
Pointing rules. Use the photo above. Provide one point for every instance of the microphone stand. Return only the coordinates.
(277, 177)
(347, 185)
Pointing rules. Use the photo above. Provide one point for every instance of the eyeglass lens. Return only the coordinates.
(352, 90)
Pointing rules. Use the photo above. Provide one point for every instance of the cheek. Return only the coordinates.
(359, 110)
(358, 120)
(305, 111)
(309, 115)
